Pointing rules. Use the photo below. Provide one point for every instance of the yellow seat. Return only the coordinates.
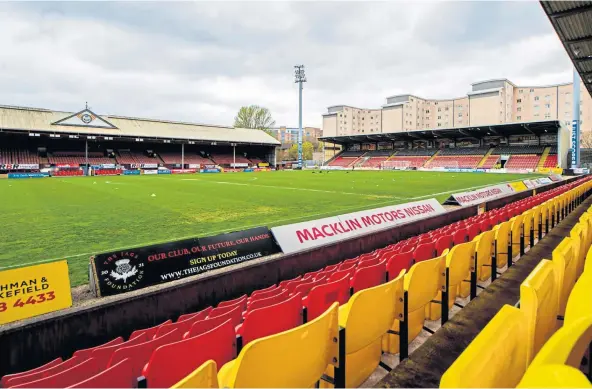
(580, 250)
(540, 303)
(588, 264)
(554, 376)
(292, 359)
(565, 348)
(565, 266)
(204, 376)
(537, 219)
(496, 358)
(544, 215)
(579, 303)
(502, 239)
(367, 317)
(484, 250)
(528, 221)
(459, 262)
(421, 286)
(516, 223)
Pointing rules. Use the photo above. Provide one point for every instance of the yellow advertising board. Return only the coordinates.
(34, 290)
(518, 186)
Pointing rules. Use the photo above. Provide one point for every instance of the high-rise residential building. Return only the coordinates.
(290, 135)
(488, 102)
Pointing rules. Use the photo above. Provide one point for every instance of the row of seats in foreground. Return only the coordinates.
(540, 343)
(288, 335)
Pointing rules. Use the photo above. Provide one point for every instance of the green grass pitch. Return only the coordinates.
(72, 218)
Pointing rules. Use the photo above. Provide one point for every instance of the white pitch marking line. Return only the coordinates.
(238, 228)
(292, 188)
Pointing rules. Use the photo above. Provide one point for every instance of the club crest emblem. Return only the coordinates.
(123, 270)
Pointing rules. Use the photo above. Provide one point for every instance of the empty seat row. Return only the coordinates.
(522, 162)
(546, 337)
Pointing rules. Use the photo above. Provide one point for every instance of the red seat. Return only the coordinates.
(201, 326)
(286, 282)
(271, 319)
(322, 296)
(322, 275)
(368, 262)
(103, 354)
(196, 316)
(119, 375)
(63, 379)
(341, 274)
(460, 236)
(264, 292)
(5, 379)
(242, 301)
(347, 266)
(331, 267)
(473, 231)
(485, 225)
(139, 354)
(304, 289)
(261, 303)
(172, 362)
(425, 251)
(235, 315)
(149, 332)
(182, 326)
(85, 353)
(8, 382)
(368, 277)
(398, 262)
(443, 243)
(291, 286)
(265, 295)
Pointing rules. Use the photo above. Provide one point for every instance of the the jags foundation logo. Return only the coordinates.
(124, 271)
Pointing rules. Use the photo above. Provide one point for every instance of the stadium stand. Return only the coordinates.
(490, 161)
(537, 350)
(461, 161)
(289, 339)
(76, 158)
(375, 158)
(16, 156)
(128, 157)
(518, 150)
(227, 159)
(464, 151)
(522, 161)
(172, 158)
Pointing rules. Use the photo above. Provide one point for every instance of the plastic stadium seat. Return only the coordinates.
(171, 363)
(205, 376)
(368, 277)
(473, 231)
(321, 297)
(460, 236)
(421, 283)
(539, 301)
(331, 267)
(580, 299)
(241, 301)
(65, 378)
(368, 262)
(565, 267)
(85, 353)
(236, 315)
(484, 250)
(580, 233)
(527, 220)
(196, 315)
(182, 326)
(322, 275)
(293, 359)
(149, 332)
(341, 274)
(442, 243)
(459, 262)
(119, 375)
(201, 326)
(565, 348)
(139, 354)
(39, 374)
(103, 354)
(263, 292)
(398, 262)
(488, 362)
(286, 282)
(265, 295)
(516, 223)
(347, 266)
(271, 319)
(366, 318)
(554, 376)
(304, 288)
(262, 303)
(424, 252)
(5, 379)
(501, 241)
(291, 286)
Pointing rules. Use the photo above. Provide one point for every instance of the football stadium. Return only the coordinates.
(142, 253)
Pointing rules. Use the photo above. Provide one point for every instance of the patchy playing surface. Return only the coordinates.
(56, 218)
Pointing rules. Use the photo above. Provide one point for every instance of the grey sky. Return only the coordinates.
(200, 61)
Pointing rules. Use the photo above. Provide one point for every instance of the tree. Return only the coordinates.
(255, 117)
(307, 150)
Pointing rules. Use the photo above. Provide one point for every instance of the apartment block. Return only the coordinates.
(489, 102)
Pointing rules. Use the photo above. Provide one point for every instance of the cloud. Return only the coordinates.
(201, 61)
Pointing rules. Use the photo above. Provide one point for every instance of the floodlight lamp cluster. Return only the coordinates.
(299, 75)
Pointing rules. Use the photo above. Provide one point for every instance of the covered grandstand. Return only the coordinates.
(32, 139)
(518, 146)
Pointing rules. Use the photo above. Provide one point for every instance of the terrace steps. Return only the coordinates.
(544, 157)
(487, 154)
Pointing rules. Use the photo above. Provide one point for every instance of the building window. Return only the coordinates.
(547, 105)
(519, 109)
(547, 97)
(460, 114)
(519, 101)
(547, 116)
(532, 90)
(439, 109)
(536, 115)
(536, 107)
(439, 124)
(536, 98)
(446, 109)
(439, 117)
(518, 117)
(427, 111)
(520, 91)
